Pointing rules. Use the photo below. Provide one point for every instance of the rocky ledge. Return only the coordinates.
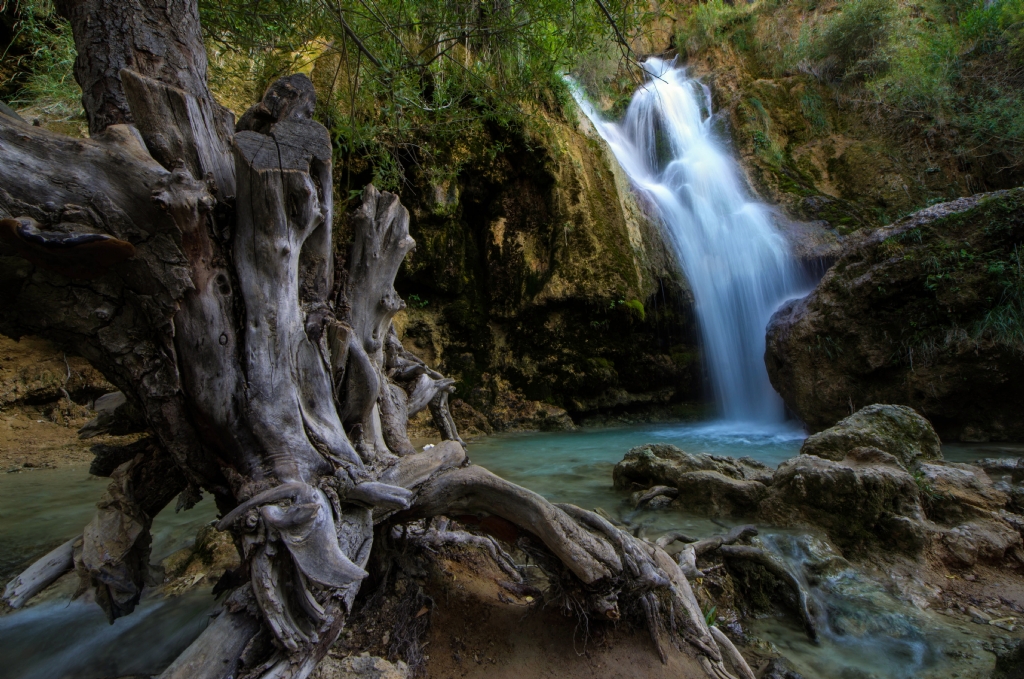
(927, 313)
(875, 480)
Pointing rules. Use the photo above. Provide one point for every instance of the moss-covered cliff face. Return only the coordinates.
(536, 277)
(859, 112)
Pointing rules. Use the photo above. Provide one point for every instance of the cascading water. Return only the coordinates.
(739, 267)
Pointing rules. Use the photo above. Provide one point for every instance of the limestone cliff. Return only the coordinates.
(926, 313)
(537, 277)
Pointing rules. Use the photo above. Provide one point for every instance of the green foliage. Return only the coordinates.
(813, 109)
(710, 616)
(44, 79)
(760, 122)
(407, 85)
(850, 44)
(402, 85)
(636, 307)
(417, 302)
(926, 488)
(1005, 322)
(708, 24)
(953, 69)
(633, 307)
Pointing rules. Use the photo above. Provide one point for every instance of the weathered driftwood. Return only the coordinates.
(688, 556)
(41, 574)
(193, 264)
(656, 491)
(734, 656)
(671, 536)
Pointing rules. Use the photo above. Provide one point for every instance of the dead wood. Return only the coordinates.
(41, 574)
(734, 656)
(656, 491)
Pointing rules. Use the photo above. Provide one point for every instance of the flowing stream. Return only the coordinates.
(868, 633)
(739, 267)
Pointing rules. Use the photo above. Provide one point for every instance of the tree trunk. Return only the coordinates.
(193, 265)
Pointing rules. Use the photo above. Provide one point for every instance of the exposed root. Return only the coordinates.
(41, 574)
(671, 536)
(732, 653)
(657, 491)
(737, 534)
(438, 534)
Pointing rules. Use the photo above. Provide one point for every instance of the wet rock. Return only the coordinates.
(469, 420)
(778, 668)
(648, 463)
(360, 667)
(955, 492)
(1010, 662)
(904, 317)
(867, 497)
(1004, 468)
(897, 430)
(508, 410)
(212, 553)
(707, 483)
(1008, 477)
(544, 271)
(34, 371)
(984, 540)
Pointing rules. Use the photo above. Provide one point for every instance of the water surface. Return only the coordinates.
(57, 638)
(868, 633)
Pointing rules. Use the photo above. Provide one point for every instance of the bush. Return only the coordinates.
(851, 45)
(45, 77)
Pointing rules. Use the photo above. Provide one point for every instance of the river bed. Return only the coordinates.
(869, 633)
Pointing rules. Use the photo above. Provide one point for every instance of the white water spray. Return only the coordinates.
(739, 267)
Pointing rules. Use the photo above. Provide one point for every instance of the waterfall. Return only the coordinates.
(739, 267)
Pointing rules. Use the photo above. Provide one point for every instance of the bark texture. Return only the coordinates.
(193, 265)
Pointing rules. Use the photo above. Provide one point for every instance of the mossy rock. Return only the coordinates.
(926, 313)
(898, 430)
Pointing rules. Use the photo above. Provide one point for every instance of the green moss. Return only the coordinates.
(636, 307)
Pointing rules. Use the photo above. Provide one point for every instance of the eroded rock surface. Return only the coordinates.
(865, 497)
(360, 667)
(875, 480)
(707, 483)
(919, 313)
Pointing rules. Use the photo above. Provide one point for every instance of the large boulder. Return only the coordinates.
(865, 498)
(956, 492)
(710, 484)
(987, 540)
(920, 313)
(898, 430)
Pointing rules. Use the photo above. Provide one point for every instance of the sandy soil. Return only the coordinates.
(479, 629)
(45, 396)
